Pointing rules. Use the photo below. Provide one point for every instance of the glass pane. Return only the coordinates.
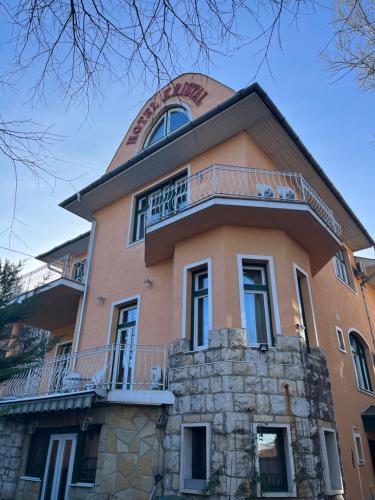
(202, 321)
(202, 281)
(252, 276)
(64, 469)
(177, 119)
(90, 458)
(158, 133)
(128, 316)
(271, 460)
(51, 470)
(256, 325)
(198, 461)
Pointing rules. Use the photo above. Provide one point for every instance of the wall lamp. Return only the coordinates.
(148, 282)
(100, 300)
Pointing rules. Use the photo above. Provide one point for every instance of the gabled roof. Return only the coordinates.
(250, 109)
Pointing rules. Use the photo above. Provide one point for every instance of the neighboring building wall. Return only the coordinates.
(233, 387)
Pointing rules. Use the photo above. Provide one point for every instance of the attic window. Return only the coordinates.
(171, 120)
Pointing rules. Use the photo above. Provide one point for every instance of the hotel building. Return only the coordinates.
(215, 329)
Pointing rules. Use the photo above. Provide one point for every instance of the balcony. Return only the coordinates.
(58, 286)
(117, 372)
(239, 196)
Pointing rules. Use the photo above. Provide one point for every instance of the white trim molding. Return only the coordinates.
(296, 268)
(289, 460)
(331, 462)
(359, 452)
(268, 260)
(187, 269)
(185, 459)
(338, 332)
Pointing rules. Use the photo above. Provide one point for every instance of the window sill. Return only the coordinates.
(30, 478)
(342, 350)
(134, 243)
(369, 393)
(334, 492)
(346, 285)
(279, 494)
(83, 485)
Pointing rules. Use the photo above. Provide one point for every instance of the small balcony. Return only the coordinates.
(239, 196)
(117, 372)
(58, 286)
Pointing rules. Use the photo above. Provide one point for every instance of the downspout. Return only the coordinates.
(87, 273)
(363, 286)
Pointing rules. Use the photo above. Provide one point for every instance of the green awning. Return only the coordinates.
(53, 403)
(368, 417)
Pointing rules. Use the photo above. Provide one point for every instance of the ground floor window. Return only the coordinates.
(195, 446)
(360, 457)
(331, 462)
(275, 459)
(63, 456)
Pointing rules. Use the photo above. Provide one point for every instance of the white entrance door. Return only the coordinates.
(59, 467)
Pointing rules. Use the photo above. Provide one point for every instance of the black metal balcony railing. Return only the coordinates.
(237, 182)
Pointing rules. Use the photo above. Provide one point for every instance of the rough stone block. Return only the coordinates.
(237, 338)
(232, 383)
(218, 339)
(278, 405)
(269, 386)
(262, 403)
(300, 407)
(288, 343)
(197, 403)
(232, 354)
(243, 368)
(275, 370)
(253, 384)
(243, 402)
(223, 401)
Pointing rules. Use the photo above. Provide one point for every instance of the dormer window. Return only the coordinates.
(171, 120)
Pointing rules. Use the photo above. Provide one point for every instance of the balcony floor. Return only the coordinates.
(297, 219)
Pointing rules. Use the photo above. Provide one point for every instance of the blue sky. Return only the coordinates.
(335, 120)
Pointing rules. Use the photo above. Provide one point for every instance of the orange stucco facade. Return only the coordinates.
(118, 273)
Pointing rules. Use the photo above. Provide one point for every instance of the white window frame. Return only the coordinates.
(58, 463)
(185, 293)
(296, 269)
(289, 461)
(166, 116)
(129, 241)
(195, 302)
(183, 452)
(251, 261)
(340, 335)
(327, 461)
(359, 457)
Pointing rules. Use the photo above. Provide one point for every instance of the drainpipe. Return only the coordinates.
(363, 284)
(87, 273)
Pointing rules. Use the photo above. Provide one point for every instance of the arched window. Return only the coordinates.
(169, 121)
(360, 363)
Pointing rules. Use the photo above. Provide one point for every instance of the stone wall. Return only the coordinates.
(233, 388)
(12, 434)
(130, 453)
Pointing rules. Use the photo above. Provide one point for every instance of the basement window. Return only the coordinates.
(360, 458)
(195, 449)
(340, 339)
(275, 460)
(331, 462)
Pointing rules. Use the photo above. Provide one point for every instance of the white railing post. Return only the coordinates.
(214, 179)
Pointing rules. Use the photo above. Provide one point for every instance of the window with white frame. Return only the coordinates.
(340, 339)
(275, 459)
(331, 461)
(359, 455)
(360, 362)
(200, 308)
(340, 266)
(195, 453)
(126, 339)
(171, 120)
(256, 303)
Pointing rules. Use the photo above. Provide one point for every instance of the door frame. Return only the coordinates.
(61, 438)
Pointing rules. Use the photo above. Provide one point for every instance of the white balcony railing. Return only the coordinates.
(66, 267)
(237, 182)
(115, 366)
